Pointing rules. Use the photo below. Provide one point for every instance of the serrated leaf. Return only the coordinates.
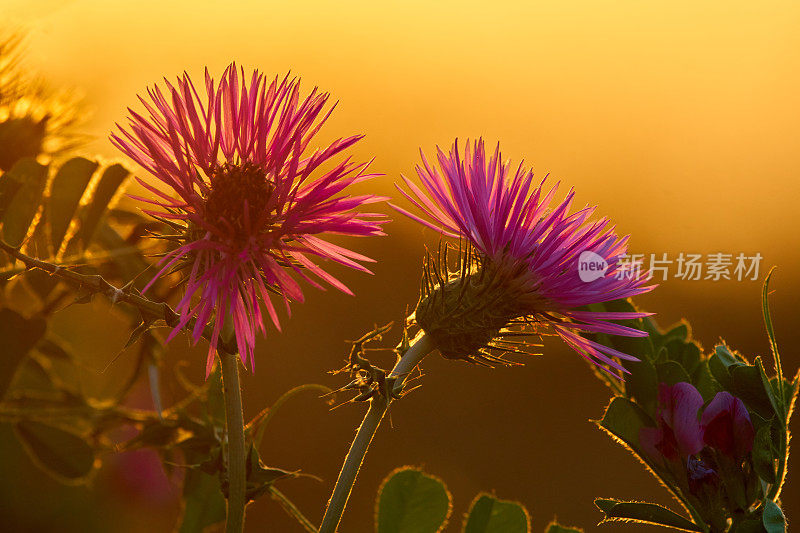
(772, 518)
(641, 512)
(66, 191)
(19, 213)
(488, 514)
(203, 503)
(410, 501)
(18, 335)
(62, 454)
(555, 527)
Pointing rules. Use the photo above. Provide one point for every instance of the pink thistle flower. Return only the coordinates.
(533, 252)
(249, 200)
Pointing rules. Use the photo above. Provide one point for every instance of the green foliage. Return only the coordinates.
(643, 513)
(488, 514)
(624, 419)
(410, 501)
(671, 356)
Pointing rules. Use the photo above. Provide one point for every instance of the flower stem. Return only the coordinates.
(237, 460)
(366, 431)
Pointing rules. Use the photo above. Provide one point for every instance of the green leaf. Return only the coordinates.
(772, 342)
(624, 419)
(721, 363)
(747, 385)
(644, 513)
(685, 353)
(66, 191)
(18, 215)
(488, 514)
(112, 179)
(671, 372)
(775, 402)
(203, 503)
(764, 455)
(18, 336)
(410, 501)
(555, 527)
(642, 383)
(705, 382)
(679, 332)
(62, 454)
(773, 519)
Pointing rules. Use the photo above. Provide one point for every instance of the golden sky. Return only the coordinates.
(679, 119)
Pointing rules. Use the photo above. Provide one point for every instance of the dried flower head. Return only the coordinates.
(521, 264)
(251, 200)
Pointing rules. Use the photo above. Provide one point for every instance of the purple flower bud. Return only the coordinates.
(726, 426)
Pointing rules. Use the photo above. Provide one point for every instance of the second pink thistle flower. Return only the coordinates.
(521, 263)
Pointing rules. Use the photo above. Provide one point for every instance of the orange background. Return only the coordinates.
(678, 119)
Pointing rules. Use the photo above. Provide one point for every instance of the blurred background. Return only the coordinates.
(678, 119)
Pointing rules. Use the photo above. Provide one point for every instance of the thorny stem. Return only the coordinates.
(95, 284)
(366, 431)
(237, 460)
